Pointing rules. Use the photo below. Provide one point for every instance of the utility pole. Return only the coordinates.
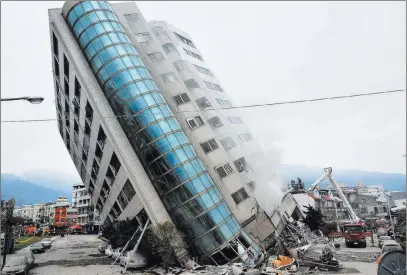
(8, 228)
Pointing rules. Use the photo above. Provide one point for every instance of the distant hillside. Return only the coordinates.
(25, 191)
(36, 187)
(390, 181)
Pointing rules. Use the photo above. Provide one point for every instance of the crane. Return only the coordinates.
(328, 174)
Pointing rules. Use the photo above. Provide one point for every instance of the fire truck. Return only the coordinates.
(355, 232)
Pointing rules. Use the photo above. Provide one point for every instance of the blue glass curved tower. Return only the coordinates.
(177, 173)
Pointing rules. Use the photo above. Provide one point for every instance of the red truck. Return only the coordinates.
(355, 234)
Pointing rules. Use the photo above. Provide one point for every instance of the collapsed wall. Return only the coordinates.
(267, 226)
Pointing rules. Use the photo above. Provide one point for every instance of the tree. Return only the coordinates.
(167, 242)
(119, 232)
(314, 218)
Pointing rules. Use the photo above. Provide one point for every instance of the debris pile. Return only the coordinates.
(291, 252)
(296, 250)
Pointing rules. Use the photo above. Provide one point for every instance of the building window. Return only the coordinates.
(116, 209)
(184, 40)
(191, 84)
(101, 137)
(240, 195)
(223, 103)
(224, 170)
(114, 164)
(195, 122)
(235, 120)
(181, 98)
(203, 70)
(215, 122)
(98, 154)
(169, 48)
(66, 88)
(156, 57)
(209, 146)
(245, 137)
(77, 88)
(88, 113)
(56, 67)
(143, 37)
(240, 164)
(197, 56)
(126, 195)
(132, 17)
(203, 103)
(180, 65)
(168, 78)
(213, 86)
(66, 68)
(55, 45)
(228, 143)
(95, 167)
(159, 31)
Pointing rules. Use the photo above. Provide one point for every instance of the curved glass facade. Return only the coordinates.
(177, 173)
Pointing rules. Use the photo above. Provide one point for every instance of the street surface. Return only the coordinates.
(73, 255)
(78, 255)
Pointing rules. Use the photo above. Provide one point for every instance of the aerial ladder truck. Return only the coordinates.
(354, 232)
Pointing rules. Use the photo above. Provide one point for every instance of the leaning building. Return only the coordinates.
(151, 130)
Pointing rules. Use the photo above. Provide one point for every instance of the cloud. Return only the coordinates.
(261, 52)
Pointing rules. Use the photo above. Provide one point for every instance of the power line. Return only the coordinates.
(233, 107)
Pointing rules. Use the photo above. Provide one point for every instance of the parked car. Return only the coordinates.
(137, 260)
(381, 232)
(102, 247)
(390, 245)
(116, 252)
(30, 256)
(46, 242)
(16, 265)
(37, 248)
(382, 239)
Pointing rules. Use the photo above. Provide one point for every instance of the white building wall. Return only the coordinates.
(117, 141)
(28, 211)
(234, 181)
(82, 201)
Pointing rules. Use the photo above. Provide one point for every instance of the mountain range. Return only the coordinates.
(44, 186)
(26, 191)
(349, 177)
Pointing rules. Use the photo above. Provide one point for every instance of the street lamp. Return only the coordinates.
(32, 100)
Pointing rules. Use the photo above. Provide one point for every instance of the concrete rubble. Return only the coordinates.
(291, 253)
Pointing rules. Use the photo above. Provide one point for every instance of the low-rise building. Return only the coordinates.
(18, 211)
(366, 201)
(82, 202)
(62, 201)
(72, 216)
(397, 198)
(330, 204)
(27, 211)
(39, 209)
(49, 211)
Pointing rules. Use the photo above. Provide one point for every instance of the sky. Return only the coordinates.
(261, 52)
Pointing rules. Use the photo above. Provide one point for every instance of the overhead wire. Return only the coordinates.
(228, 108)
